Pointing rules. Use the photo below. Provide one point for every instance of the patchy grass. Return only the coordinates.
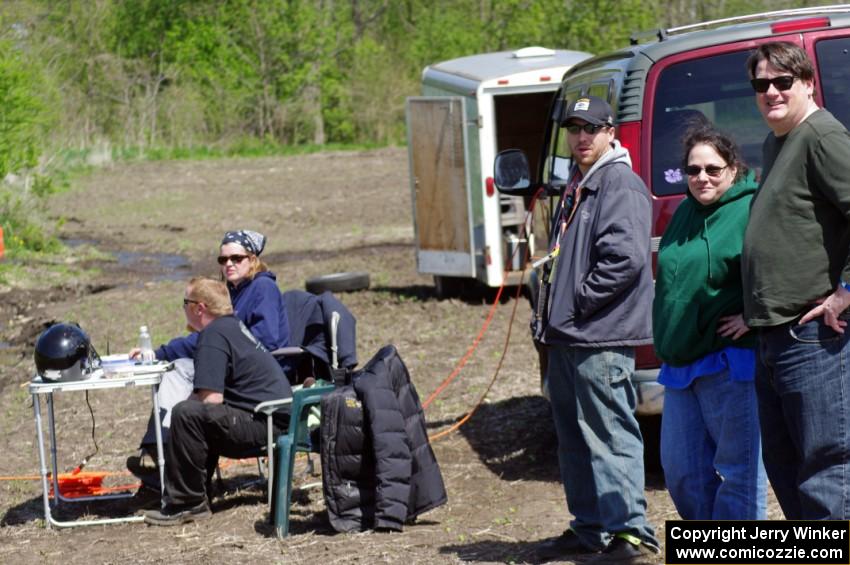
(78, 162)
(24, 269)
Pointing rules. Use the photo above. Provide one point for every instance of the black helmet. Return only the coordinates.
(64, 352)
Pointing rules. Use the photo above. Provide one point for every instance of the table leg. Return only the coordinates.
(160, 454)
(51, 422)
(45, 489)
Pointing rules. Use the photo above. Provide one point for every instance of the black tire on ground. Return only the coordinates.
(338, 282)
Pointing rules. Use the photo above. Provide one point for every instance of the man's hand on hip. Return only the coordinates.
(830, 308)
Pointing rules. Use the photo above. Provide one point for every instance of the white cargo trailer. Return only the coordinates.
(470, 109)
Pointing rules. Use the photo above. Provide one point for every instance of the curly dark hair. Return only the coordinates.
(706, 134)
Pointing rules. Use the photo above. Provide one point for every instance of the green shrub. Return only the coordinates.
(23, 219)
(23, 115)
(24, 122)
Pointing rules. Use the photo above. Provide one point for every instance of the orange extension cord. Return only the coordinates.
(475, 407)
(480, 335)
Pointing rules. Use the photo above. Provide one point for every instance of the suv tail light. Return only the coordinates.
(800, 25)
(629, 136)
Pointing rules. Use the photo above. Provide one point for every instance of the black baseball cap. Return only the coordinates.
(591, 109)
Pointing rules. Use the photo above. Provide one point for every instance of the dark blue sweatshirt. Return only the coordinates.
(258, 304)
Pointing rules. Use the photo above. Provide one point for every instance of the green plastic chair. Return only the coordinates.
(296, 439)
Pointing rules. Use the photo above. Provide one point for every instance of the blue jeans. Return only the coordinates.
(600, 449)
(711, 450)
(803, 386)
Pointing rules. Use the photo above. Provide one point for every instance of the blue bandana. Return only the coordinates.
(252, 241)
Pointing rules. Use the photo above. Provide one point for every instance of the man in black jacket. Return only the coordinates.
(598, 309)
(233, 373)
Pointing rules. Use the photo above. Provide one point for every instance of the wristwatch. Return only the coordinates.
(844, 284)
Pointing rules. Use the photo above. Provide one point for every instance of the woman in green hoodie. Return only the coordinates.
(710, 444)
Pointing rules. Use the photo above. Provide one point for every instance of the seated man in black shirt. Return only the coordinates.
(233, 373)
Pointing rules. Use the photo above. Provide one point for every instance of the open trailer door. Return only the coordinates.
(439, 180)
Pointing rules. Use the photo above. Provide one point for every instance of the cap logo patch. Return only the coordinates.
(582, 104)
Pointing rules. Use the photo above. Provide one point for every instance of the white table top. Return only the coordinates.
(137, 375)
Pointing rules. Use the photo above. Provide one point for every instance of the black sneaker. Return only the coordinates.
(143, 466)
(145, 498)
(622, 551)
(565, 544)
(176, 515)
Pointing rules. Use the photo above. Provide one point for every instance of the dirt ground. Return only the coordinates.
(156, 224)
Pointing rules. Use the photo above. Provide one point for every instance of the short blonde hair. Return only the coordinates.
(211, 293)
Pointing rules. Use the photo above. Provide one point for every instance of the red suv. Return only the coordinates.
(657, 86)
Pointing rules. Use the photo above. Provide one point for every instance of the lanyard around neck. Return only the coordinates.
(565, 218)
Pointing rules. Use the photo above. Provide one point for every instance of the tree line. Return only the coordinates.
(144, 74)
(141, 73)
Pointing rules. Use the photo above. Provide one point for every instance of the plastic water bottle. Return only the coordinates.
(146, 354)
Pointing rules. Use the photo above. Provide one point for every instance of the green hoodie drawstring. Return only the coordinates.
(707, 245)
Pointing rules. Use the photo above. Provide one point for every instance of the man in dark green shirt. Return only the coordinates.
(796, 278)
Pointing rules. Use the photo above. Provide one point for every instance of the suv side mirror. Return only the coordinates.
(511, 173)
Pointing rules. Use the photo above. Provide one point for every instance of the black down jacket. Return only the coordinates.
(378, 469)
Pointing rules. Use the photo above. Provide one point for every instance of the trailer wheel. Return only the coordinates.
(448, 287)
(338, 282)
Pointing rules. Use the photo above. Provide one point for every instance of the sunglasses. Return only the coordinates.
(187, 301)
(710, 170)
(586, 128)
(235, 259)
(762, 85)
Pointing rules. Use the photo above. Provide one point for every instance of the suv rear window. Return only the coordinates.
(716, 87)
(834, 70)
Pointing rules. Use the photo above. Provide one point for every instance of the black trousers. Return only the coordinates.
(200, 433)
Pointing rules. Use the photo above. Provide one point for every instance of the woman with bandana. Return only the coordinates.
(253, 291)
(257, 302)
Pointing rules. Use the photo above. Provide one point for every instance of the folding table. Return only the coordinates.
(123, 376)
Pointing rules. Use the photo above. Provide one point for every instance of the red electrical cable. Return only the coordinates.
(480, 335)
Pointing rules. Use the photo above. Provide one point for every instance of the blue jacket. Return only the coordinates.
(310, 324)
(258, 304)
(601, 294)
